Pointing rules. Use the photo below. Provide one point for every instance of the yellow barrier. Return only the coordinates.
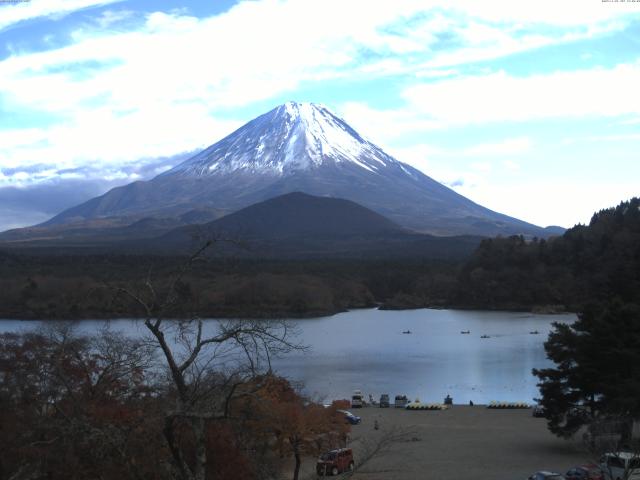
(495, 404)
(426, 406)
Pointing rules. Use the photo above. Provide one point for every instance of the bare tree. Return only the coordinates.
(207, 362)
(371, 448)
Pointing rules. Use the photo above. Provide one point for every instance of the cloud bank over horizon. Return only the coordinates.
(529, 109)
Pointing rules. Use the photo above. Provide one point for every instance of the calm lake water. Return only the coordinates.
(366, 350)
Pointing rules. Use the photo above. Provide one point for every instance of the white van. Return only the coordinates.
(621, 466)
(357, 399)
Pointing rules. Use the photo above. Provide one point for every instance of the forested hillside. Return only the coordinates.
(589, 263)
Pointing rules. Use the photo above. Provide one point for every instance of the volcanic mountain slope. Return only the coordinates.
(300, 147)
(298, 225)
(293, 215)
(102, 231)
(291, 226)
(300, 214)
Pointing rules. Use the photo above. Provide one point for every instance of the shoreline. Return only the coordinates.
(536, 310)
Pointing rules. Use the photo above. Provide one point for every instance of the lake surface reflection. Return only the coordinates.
(366, 350)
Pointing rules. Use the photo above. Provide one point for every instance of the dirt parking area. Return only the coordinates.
(462, 442)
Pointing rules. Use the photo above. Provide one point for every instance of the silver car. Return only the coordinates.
(546, 475)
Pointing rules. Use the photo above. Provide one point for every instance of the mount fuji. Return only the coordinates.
(296, 147)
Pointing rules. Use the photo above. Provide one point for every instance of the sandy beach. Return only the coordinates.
(459, 443)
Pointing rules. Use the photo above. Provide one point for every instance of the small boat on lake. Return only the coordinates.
(406, 332)
(465, 332)
(534, 332)
(485, 336)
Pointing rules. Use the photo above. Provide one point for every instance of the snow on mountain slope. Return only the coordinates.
(293, 136)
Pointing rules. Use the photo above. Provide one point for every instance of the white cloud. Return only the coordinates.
(443, 165)
(483, 167)
(13, 13)
(214, 60)
(621, 137)
(630, 121)
(501, 97)
(435, 73)
(424, 156)
(508, 146)
(101, 138)
(511, 165)
(383, 126)
(111, 17)
(551, 12)
(418, 155)
(557, 203)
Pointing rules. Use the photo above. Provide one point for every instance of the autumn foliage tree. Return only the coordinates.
(71, 406)
(292, 425)
(74, 407)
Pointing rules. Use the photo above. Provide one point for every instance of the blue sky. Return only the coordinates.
(529, 108)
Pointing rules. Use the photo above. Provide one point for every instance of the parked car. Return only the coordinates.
(584, 472)
(546, 475)
(350, 417)
(537, 411)
(401, 401)
(616, 465)
(384, 400)
(335, 462)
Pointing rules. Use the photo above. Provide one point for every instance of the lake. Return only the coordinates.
(367, 350)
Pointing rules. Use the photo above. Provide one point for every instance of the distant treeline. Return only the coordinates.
(86, 286)
(588, 263)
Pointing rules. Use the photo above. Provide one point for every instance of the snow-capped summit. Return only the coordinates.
(298, 147)
(292, 136)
